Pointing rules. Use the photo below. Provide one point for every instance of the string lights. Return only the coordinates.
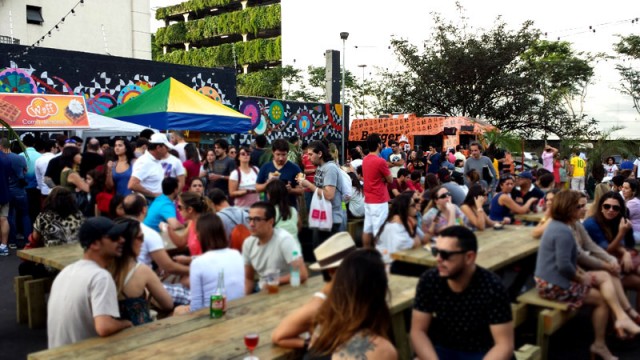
(58, 24)
(590, 29)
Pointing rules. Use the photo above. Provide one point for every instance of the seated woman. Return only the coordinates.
(286, 215)
(355, 207)
(70, 177)
(191, 206)
(558, 277)
(293, 331)
(612, 231)
(472, 208)
(217, 257)
(134, 279)
(197, 186)
(57, 224)
(503, 206)
(632, 201)
(360, 289)
(440, 213)
(546, 207)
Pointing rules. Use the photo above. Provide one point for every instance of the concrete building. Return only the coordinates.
(113, 27)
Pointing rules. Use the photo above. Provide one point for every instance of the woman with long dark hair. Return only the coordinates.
(192, 164)
(242, 181)
(286, 215)
(207, 168)
(631, 193)
(503, 207)
(191, 206)
(360, 289)
(119, 173)
(134, 279)
(70, 177)
(400, 231)
(472, 208)
(440, 213)
(355, 208)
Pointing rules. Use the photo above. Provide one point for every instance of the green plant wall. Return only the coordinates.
(191, 5)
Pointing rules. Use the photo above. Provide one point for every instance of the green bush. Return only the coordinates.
(191, 5)
(264, 83)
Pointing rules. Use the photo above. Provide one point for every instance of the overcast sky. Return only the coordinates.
(312, 26)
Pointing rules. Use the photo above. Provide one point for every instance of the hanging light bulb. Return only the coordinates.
(73, 12)
(57, 28)
(82, 2)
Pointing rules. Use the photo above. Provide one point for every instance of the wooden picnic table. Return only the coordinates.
(496, 248)
(196, 336)
(56, 257)
(531, 217)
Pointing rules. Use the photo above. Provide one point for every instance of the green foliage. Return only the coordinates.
(248, 21)
(501, 140)
(191, 5)
(265, 83)
(602, 146)
(250, 52)
(630, 83)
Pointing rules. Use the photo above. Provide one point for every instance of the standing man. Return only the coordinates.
(177, 140)
(482, 164)
(461, 311)
(459, 155)
(84, 302)
(376, 176)
(577, 169)
(91, 158)
(547, 157)
(283, 169)
(326, 181)
(222, 166)
(396, 160)
(19, 204)
(41, 164)
(147, 173)
(433, 160)
(31, 154)
(268, 248)
(256, 154)
(170, 163)
(387, 151)
(5, 197)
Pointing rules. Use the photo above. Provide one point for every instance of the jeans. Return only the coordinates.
(19, 212)
(445, 353)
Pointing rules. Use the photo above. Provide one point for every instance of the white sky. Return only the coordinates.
(312, 26)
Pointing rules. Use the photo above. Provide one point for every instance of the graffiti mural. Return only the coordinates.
(278, 119)
(104, 81)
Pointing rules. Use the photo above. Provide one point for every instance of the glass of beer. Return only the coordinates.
(272, 278)
(251, 342)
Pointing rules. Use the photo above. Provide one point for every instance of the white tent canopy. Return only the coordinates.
(105, 126)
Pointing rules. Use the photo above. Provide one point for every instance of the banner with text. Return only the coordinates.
(42, 111)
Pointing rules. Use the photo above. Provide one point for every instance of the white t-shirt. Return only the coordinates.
(394, 238)
(149, 171)
(356, 203)
(356, 163)
(247, 182)
(203, 276)
(172, 166)
(152, 243)
(277, 253)
(610, 170)
(179, 147)
(41, 168)
(82, 291)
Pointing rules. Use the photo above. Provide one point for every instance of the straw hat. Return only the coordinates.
(331, 252)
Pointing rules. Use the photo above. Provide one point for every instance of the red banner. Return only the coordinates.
(43, 111)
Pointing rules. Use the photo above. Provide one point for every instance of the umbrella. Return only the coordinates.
(172, 105)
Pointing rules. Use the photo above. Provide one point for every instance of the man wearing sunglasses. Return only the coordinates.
(461, 311)
(84, 300)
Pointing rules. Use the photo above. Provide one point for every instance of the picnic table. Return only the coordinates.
(56, 257)
(531, 217)
(196, 336)
(496, 248)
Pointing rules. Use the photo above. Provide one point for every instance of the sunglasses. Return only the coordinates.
(444, 254)
(444, 196)
(256, 219)
(609, 207)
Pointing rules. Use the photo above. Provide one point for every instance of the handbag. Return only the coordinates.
(320, 216)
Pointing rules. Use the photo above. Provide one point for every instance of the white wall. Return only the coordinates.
(126, 25)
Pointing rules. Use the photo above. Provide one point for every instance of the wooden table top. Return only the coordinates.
(496, 248)
(531, 217)
(196, 336)
(56, 256)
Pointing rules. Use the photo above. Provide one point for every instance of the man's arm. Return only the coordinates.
(181, 181)
(423, 347)
(135, 185)
(106, 325)
(503, 341)
(164, 262)
(249, 283)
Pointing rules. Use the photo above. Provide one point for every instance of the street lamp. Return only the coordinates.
(344, 36)
(362, 66)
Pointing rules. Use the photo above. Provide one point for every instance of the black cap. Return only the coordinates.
(96, 227)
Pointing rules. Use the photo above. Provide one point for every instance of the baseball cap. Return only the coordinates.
(526, 175)
(95, 228)
(159, 138)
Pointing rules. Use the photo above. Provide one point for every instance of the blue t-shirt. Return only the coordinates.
(32, 183)
(5, 168)
(121, 180)
(385, 153)
(626, 165)
(498, 212)
(435, 163)
(161, 209)
(17, 173)
(288, 174)
(595, 232)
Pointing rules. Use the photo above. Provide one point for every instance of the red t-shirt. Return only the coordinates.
(395, 184)
(417, 187)
(308, 165)
(193, 171)
(374, 171)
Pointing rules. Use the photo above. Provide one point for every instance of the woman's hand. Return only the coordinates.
(624, 225)
(627, 264)
(506, 221)
(613, 268)
(479, 201)
(451, 208)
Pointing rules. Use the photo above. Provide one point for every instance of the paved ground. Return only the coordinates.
(571, 342)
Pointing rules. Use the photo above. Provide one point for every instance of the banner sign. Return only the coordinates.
(42, 111)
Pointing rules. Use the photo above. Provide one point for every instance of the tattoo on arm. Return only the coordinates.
(357, 348)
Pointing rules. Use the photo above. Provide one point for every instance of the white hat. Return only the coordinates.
(331, 252)
(159, 138)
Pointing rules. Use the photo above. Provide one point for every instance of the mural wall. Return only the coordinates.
(278, 119)
(104, 81)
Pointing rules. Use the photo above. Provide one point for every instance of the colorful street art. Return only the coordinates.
(278, 119)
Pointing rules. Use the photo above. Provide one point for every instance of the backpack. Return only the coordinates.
(238, 234)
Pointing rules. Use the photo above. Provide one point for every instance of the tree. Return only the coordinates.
(630, 85)
(507, 77)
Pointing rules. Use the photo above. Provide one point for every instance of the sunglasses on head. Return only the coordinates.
(444, 254)
(609, 207)
(444, 196)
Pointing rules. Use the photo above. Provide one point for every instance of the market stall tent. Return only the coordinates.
(105, 126)
(172, 105)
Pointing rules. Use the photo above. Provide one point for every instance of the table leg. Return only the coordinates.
(22, 311)
(400, 337)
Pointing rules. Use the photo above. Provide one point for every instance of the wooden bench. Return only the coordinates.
(354, 228)
(553, 315)
(31, 304)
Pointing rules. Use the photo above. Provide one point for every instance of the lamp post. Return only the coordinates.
(362, 66)
(344, 36)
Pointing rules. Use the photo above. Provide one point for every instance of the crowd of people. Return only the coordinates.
(240, 211)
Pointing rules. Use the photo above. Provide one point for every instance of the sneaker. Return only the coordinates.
(4, 251)
(13, 246)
